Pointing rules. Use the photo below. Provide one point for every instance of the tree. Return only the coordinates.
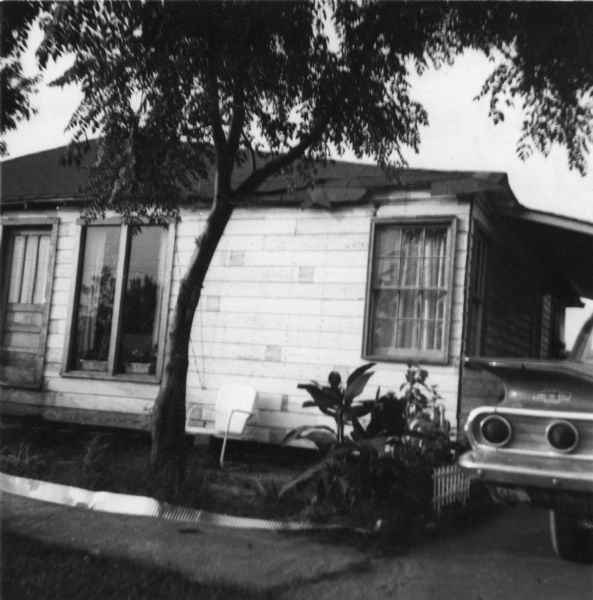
(545, 63)
(175, 89)
(16, 19)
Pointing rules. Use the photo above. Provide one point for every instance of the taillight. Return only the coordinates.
(563, 436)
(496, 430)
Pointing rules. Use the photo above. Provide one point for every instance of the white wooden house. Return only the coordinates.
(428, 267)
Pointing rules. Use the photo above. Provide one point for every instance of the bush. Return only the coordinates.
(384, 471)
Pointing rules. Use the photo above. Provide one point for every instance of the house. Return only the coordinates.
(429, 266)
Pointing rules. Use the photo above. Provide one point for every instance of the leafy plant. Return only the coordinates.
(337, 401)
(143, 354)
(385, 469)
(94, 462)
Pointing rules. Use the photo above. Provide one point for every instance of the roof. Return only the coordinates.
(42, 179)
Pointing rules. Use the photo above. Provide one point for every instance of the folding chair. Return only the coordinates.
(235, 405)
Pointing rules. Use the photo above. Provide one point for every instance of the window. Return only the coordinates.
(28, 254)
(119, 308)
(409, 290)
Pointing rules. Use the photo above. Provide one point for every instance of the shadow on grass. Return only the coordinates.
(32, 570)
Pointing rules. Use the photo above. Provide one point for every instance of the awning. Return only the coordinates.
(565, 245)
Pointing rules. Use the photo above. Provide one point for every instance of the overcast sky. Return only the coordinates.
(460, 136)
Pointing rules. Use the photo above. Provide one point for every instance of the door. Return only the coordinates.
(26, 286)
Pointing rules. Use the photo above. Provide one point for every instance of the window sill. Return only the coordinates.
(123, 377)
(407, 358)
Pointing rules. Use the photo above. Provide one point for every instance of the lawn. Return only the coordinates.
(118, 461)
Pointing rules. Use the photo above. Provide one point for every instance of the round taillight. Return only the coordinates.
(562, 436)
(496, 430)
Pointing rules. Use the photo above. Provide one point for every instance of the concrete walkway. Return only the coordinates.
(506, 555)
(255, 559)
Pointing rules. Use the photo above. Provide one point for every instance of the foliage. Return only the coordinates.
(16, 89)
(140, 305)
(543, 62)
(337, 400)
(22, 460)
(385, 470)
(416, 412)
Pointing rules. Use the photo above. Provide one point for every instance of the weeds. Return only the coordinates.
(120, 462)
(22, 461)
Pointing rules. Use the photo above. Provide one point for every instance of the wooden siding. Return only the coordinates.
(283, 303)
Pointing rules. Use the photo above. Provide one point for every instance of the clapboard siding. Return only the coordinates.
(283, 303)
(284, 309)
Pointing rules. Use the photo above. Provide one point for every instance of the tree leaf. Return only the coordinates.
(322, 436)
(359, 371)
(355, 387)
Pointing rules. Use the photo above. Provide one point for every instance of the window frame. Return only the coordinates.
(8, 224)
(125, 240)
(477, 292)
(406, 354)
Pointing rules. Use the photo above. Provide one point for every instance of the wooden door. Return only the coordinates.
(25, 307)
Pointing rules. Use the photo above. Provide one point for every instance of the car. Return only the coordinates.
(536, 445)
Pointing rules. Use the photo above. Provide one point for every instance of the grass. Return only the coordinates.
(118, 461)
(31, 570)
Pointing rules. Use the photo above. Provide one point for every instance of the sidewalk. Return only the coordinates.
(258, 560)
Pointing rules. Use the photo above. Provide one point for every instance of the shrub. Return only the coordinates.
(384, 470)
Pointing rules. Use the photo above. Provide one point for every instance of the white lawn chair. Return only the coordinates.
(235, 405)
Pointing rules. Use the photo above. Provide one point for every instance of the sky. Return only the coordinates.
(460, 136)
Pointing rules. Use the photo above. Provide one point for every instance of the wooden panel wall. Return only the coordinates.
(283, 303)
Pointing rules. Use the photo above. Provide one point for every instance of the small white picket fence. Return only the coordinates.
(450, 486)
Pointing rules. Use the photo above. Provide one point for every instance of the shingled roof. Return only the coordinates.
(43, 178)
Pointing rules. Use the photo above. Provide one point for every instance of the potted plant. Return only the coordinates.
(141, 361)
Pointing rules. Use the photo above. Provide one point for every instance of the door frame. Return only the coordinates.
(14, 223)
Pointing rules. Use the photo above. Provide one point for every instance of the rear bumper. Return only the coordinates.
(509, 468)
(543, 482)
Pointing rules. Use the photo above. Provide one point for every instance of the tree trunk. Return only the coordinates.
(168, 420)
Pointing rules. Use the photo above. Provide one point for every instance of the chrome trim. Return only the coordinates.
(481, 467)
(571, 426)
(531, 412)
(484, 411)
(508, 426)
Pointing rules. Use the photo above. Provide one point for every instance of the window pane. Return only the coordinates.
(383, 337)
(29, 269)
(140, 324)
(434, 253)
(388, 241)
(411, 257)
(95, 305)
(387, 272)
(16, 268)
(42, 270)
(409, 322)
